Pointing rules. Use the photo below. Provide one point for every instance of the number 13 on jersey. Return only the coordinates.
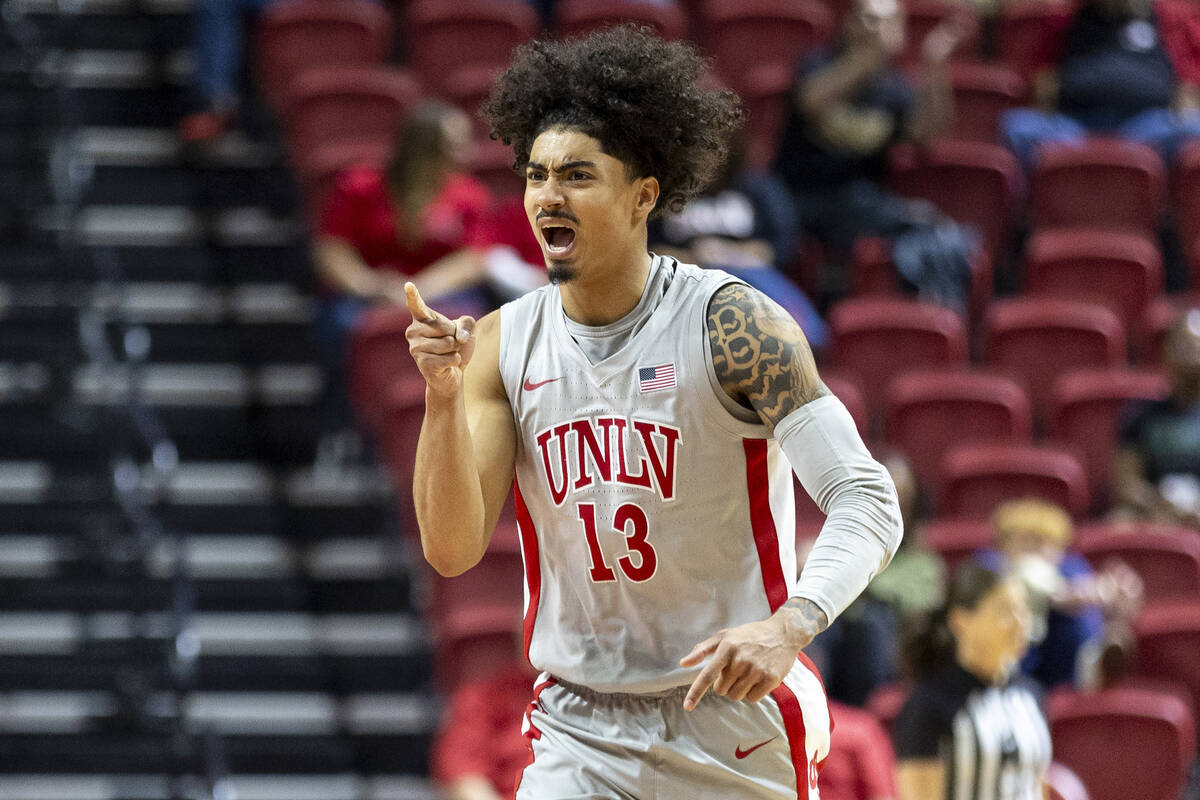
(640, 561)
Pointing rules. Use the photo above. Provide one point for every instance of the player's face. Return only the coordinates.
(581, 202)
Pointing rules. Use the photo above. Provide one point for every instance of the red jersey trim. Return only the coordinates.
(533, 567)
(762, 522)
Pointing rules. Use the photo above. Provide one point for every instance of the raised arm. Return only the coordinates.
(467, 448)
(764, 362)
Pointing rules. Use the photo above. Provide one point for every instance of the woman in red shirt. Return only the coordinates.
(421, 218)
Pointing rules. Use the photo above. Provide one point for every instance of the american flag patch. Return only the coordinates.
(651, 379)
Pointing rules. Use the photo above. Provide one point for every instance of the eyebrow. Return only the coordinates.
(570, 165)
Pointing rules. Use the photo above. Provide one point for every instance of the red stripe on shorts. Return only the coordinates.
(762, 523)
(793, 724)
(533, 732)
(533, 567)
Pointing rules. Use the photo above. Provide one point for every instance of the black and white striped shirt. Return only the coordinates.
(993, 740)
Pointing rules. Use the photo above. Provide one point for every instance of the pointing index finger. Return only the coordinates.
(416, 305)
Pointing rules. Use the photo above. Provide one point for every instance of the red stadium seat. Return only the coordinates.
(476, 618)
(378, 357)
(926, 412)
(974, 183)
(496, 582)
(1063, 784)
(1187, 205)
(477, 35)
(1166, 557)
(1036, 340)
(1120, 270)
(1084, 414)
(492, 164)
(1124, 743)
(1102, 183)
(323, 165)
(873, 273)
(765, 99)
(876, 338)
(975, 478)
(982, 92)
(922, 16)
(1028, 32)
(886, 703)
(956, 540)
(353, 107)
(744, 36)
(1168, 639)
(580, 17)
(299, 35)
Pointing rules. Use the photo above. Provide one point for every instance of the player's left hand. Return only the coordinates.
(747, 662)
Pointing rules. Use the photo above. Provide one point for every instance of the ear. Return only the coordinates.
(647, 198)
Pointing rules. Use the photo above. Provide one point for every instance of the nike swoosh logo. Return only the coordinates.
(530, 385)
(740, 753)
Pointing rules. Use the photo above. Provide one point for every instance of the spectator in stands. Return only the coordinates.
(971, 714)
(1157, 471)
(1122, 72)
(1076, 613)
(422, 218)
(745, 224)
(850, 105)
(218, 42)
(861, 764)
(479, 749)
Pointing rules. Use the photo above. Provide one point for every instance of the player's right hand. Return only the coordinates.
(440, 346)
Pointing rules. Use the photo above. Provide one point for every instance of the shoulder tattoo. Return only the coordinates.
(760, 355)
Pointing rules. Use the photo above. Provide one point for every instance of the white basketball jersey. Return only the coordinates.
(650, 517)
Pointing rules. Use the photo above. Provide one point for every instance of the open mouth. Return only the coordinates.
(559, 238)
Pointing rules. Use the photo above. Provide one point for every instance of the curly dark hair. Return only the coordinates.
(639, 96)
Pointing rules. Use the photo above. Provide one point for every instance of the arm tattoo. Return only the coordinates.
(761, 357)
(808, 611)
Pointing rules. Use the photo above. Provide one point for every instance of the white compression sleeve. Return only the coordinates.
(862, 527)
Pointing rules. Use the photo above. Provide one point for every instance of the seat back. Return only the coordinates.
(1085, 411)
(974, 183)
(1120, 270)
(975, 478)
(1027, 32)
(1124, 743)
(1187, 205)
(1037, 339)
(927, 412)
(982, 92)
(1102, 183)
(874, 339)
(744, 36)
(357, 107)
(1168, 639)
(956, 540)
(299, 35)
(446, 37)
(581, 17)
(1166, 558)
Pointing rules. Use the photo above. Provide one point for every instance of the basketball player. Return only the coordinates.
(649, 410)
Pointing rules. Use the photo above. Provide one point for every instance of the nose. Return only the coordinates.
(549, 195)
